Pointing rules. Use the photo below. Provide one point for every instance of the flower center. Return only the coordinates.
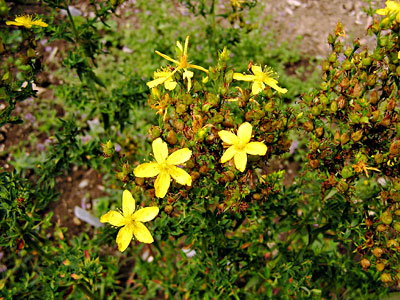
(183, 62)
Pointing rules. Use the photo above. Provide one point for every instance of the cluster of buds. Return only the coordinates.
(354, 128)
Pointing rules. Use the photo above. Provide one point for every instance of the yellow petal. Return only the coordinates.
(256, 148)
(197, 67)
(14, 23)
(392, 6)
(240, 160)
(155, 82)
(179, 157)
(114, 218)
(239, 76)
(229, 153)
(142, 234)
(167, 57)
(39, 22)
(228, 137)
(160, 150)
(244, 132)
(273, 83)
(147, 170)
(256, 70)
(170, 85)
(180, 175)
(186, 46)
(381, 11)
(161, 184)
(128, 203)
(124, 237)
(146, 214)
(257, 87)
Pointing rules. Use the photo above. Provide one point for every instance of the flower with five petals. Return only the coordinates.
(240, 146)
(131, 220)
(165, 167)
(27, 22)
(392, 9)
(260, 78)
(182, 64)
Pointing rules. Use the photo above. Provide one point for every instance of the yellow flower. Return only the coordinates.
(259, 79)
(131, 221)
(392, 8)
(182, 64)
(237, 3)
(362, 166)
(165, 167)
(169, 83)
(27, 22)
(240, 146)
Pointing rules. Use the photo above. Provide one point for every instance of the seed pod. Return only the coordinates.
(356, 136)
(314, 163)
(386, 278)
(325, 66)
(377, 252)
(269, 107)
(374, 97)
(333, 57)
(392, 243)
(348, 51)
(385, 121)
(371, 80)
(347, 172)
(366, 61)
(334, 107)
(381, 228)
(342, 186)
(217, 119)
(346, 65)
(336, 137)
(319, 131)
(380, 267)
(257, 196)
(344, 139)
(179, 124)
(323, 99)
(378, 158)
(168, 209)
(396, 226)
(365, 263)
(375, 116)
(394, 148)
(308, 126)
(387, 218)
(341, 101)
(171, 138)
(181, 108)
(316, 110)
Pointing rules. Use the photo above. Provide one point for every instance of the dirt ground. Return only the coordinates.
(314, 20)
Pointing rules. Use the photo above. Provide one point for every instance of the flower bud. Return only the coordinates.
(396, 226)
(341, 102)
(319, 131)
(314, 163)
(381, 228)
(377, 252)
(356, 136)
(334, 107)
(344, 139)
(365, 263)
(108, 149)
(394, 148)
(308, 126)
(347, 172)
(380, 267)
(375, 116)
(378, 158)
(392, 243)
(387, 218)
(325, 66)
(386, 278)
(342, 186)
(348, 51)
(171, 138)
(168, 209)
(180, 108)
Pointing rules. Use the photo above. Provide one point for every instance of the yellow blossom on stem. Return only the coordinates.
(240, 146)
(392, 9)
(169, 83)
(131, 221)
(27, 22)
(237, 3)
(182, 64)
(165, 167)
(260, 78)
(361, 166)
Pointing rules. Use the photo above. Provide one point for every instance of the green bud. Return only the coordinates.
(387, 218)
(229, 76)
(346, 65)
(325, 66)
(334, 107)
(212, 99)
(332, 57)
(316, 110)
(180, 108)
(396, 226)
(342, 186)
(217, 119)
(344, 139)
(378, 158)
(347, 172)
(323, 99)
(108, 149)
(307, 99)
(155, 132)
(269, 107)
(348, 51)
(308, 126)
(171, 138)
(366, 61)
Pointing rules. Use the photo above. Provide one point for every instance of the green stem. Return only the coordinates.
(86, 291)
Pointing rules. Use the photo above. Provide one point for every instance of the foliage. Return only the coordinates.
(230, 227)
